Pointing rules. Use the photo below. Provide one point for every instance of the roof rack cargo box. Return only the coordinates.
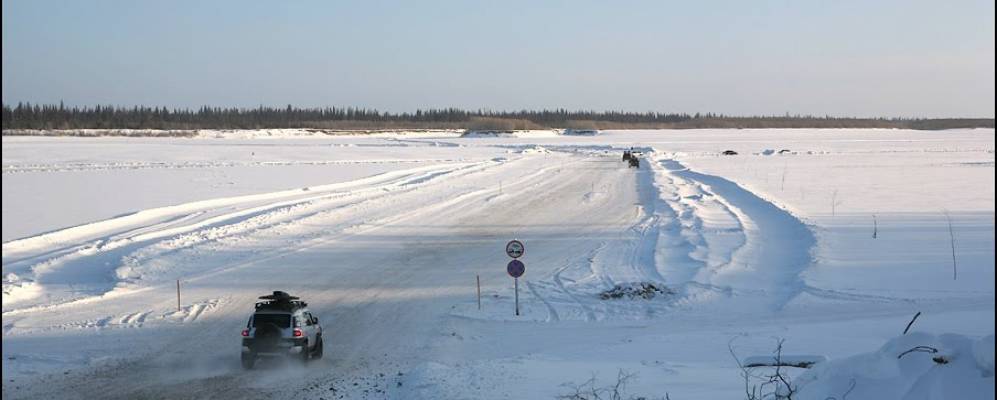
(280, 301)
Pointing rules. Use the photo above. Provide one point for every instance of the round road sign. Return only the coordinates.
(515, 249)
(515, 268)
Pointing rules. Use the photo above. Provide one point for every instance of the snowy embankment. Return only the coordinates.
(143, 173)
(133, 244)
(653, 271)
(522, 134)
(915, 366)
(227, 133)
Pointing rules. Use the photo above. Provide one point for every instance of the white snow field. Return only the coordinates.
(831, 246)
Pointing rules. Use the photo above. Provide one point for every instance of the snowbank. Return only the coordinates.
(319, 133)
(231, 133)
(102, 132)
(964, 370)
(510, 134)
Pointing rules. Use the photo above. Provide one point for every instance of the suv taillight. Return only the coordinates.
(245, 332)
(298, 332)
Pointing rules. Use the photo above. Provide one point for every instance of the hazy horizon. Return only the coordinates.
(884, 59)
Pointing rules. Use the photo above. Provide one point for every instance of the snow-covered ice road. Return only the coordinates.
(388, 263)
(382, 261)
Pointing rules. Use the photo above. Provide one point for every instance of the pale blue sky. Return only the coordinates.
(846, 58)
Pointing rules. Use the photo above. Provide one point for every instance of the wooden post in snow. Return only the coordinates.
(875, 227)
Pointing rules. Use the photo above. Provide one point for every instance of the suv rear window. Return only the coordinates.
(281, 320)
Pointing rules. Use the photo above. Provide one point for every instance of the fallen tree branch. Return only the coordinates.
(796, 361)
(799, 364)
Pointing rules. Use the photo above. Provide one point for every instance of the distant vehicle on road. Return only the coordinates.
(729, 153)
(281, 326)
(581, 132)
(628, 155)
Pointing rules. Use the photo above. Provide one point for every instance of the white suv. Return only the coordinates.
(282, 326)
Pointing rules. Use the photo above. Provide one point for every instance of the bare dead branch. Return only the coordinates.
(911, 322)
(844, 396)
(786, 384)
(589, 391)
(774, 385)
(750, 392)
(919, 349)
(952, 242)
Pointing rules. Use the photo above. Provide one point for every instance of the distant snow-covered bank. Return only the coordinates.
(228, 133)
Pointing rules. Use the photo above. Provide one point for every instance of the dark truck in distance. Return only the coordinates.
(281, 326)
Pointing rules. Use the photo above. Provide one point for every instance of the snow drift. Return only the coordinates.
(962, 368)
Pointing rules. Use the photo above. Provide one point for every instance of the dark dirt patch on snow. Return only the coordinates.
(643, 290)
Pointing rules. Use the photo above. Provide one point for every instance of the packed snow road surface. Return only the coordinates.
(387, 254)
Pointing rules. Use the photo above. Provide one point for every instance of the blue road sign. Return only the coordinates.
(515, 268)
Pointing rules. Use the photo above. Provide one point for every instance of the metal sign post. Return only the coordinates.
(517, 296)
(516, 269)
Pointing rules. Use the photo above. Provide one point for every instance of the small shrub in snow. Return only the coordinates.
(617, 391)
(644, 290)
(771, 383)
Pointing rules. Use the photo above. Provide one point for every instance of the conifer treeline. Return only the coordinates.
(49, 116)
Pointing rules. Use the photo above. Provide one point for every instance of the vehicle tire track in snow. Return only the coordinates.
(642, 256)
(114, 226)
(325, 236)
(589, 314)
(777, 245)
(700, 231)
(841, 295)
(629, 257)
(551, 312)
(697, 234)
(554, 292)
(77, 167)
(133, 319)
(116, 248)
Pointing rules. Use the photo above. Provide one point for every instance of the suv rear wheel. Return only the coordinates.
(305, 353)
(318, 349)
(248, 359)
